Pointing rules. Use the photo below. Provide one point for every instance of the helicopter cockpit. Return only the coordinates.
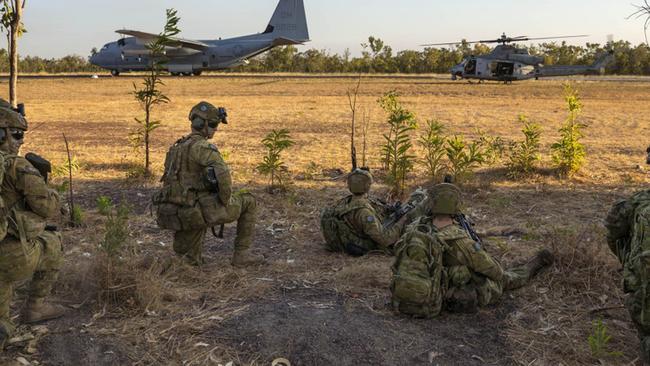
(470, 66)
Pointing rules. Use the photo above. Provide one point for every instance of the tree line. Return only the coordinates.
(378, 57)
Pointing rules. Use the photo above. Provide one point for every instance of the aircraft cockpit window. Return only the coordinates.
(121, 42)
(470, 67)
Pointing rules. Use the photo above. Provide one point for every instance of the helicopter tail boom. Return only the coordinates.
(597, 68)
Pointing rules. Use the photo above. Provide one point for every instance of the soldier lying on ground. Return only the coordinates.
(197, 192)
(356, 224)
(439, 266)
(628, 236)
(27, 251)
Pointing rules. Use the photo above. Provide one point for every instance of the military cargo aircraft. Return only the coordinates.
(288, 26)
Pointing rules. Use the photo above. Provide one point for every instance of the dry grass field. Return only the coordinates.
(307, 305)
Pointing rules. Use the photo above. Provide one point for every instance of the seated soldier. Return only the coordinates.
(354, 225)
(473, 277)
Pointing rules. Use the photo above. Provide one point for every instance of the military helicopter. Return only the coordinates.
(507, 63)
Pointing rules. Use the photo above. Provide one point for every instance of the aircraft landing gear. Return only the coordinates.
(115, 73)
(175, 73)
(197, 72)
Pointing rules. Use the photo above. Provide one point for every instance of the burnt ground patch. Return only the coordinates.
(320, 327)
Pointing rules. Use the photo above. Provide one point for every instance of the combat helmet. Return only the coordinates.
(359, 181)
(445, 199)
(11, 119)
(208, 112)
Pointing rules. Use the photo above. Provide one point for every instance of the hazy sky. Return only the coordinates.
(61, 27)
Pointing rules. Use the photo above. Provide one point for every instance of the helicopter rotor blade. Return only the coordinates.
(449, 43)
(558, 37)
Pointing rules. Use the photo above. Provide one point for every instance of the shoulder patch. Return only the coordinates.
(370, 219)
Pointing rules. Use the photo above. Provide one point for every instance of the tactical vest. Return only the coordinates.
(176, 203)
(338, 232)
(419, 279)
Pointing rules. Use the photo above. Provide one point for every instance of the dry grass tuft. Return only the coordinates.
(555, 315)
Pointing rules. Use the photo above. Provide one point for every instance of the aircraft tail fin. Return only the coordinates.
(289, 21)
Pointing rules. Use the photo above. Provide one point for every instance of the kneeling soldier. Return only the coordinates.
(197, 192)
(27, 250)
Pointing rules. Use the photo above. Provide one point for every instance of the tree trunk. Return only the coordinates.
(13, 52)
(146, 143)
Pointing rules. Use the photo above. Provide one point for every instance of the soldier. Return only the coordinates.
(353, 224)
(628, 236)
(197, 192)
(27, 250)
(473, 278)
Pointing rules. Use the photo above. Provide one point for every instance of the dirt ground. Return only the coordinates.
(306, 305)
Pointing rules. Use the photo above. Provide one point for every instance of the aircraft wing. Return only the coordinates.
(283, 41)
(178, 42)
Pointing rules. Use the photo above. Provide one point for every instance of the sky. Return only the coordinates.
(62, 27)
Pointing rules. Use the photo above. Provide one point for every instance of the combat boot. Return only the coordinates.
(244, 258)
(38, 310)
(541, 260)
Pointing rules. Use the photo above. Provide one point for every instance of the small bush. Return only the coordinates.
(78, 216)
(433, 143)
(524, 155)
(62, 170)
(396, 152)
(104, 205)
(599, 341)
(116, 230)
(569, 153)
(463, 157)
(272, 165)
(492, 147)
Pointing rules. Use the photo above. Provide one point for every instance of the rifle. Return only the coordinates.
(468, 226)
(41, 164)
(213, 184)
(400, 210)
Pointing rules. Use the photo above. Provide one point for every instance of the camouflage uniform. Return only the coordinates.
(365, 230)
(628, 224)
(28, 251)
(354, 224)
(473, 273)
(465, 276)
(188, 204)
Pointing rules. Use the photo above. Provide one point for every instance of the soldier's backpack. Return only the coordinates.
(620, 222)
(336, 230)
(419, 279)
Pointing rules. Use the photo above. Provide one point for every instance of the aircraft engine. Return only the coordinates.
(527, 59)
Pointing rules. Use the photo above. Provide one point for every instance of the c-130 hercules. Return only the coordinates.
(288, 26)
